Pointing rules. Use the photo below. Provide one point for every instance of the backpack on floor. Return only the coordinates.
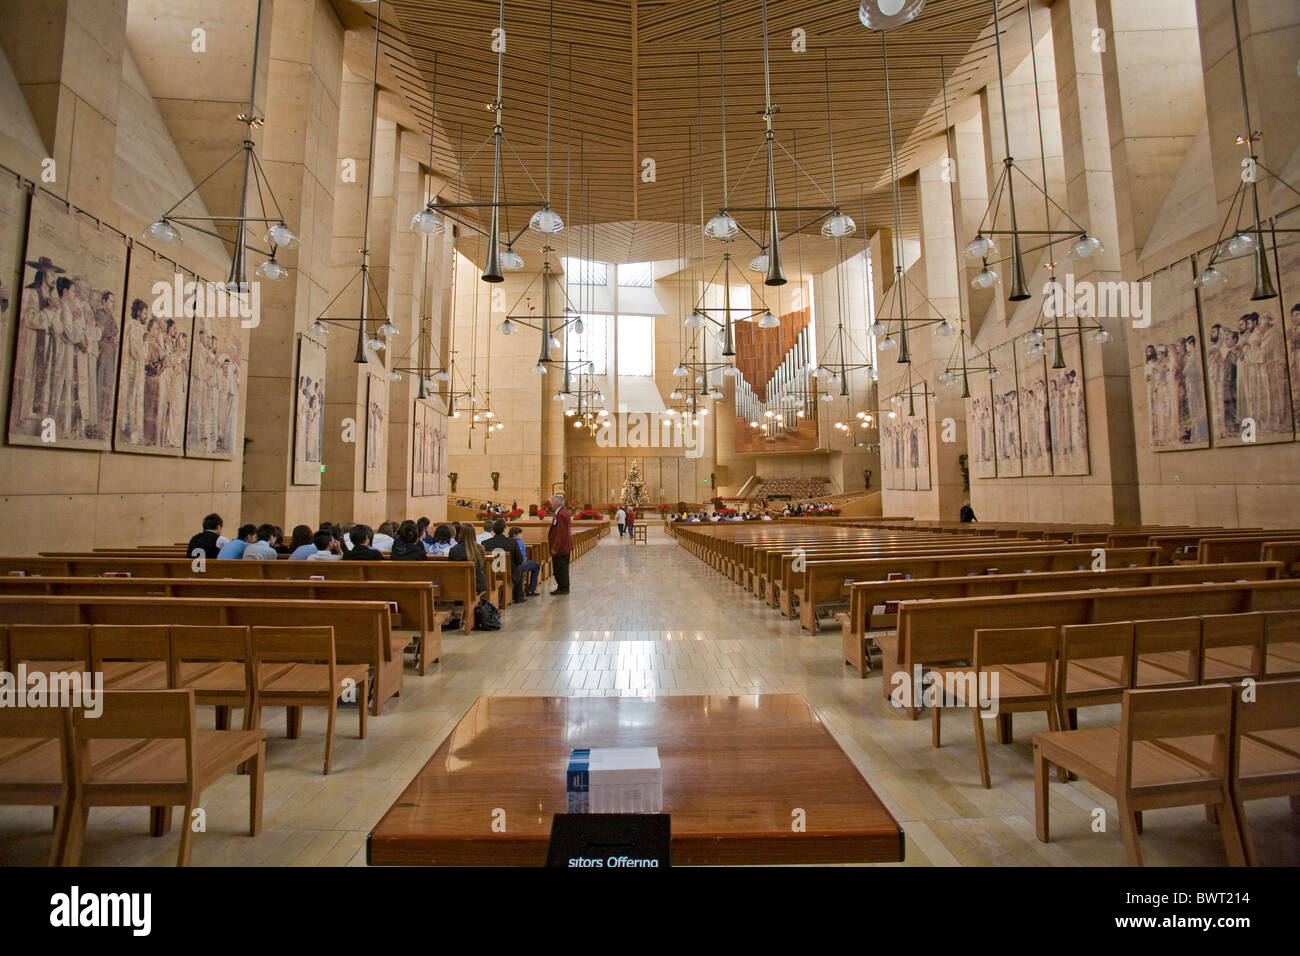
(486, 617)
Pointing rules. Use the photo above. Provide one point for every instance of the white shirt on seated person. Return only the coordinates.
(324, 556)
(382, 542)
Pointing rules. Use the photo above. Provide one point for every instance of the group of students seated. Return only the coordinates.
(812, 508)
(397, 541)
(700, 516)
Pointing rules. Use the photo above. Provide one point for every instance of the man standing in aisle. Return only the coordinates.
(621, 519)
(561, 543)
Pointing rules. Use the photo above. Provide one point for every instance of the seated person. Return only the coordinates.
(499, 542)
(233, 550)
(486, 532)
(300, 544)
(263, 549)
(442, 542)
(361, 536)
(280, 546)
(209, 540)
(406, 546)
(383, 540)
(468, 549)
(327, 548)
(426, 539)
(529, 570)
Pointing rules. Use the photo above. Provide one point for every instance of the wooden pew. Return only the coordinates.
(824, 581)
(1287, 552)
(932, 632)
(1244, 548)
(362, 629)
(867, 595)
(415, 600)
(454, 579)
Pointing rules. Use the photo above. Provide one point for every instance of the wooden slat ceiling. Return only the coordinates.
(644, 81)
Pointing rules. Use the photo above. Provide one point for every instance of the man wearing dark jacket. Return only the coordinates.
(361, 536)
(499, 542)
(206, 540)
(560, 539)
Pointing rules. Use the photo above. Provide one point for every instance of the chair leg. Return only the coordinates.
(293, 722)
(78, 817)
(1040, 795)
(329, 733)
(1231, 829)
(1130, 825)
(187, 834)
(934, 725)
(1073, 713)
(1247, 844)
(1295, 803)
(58, 845)
(223, 717)
(256, 765)
(980, 750)
(361, 710)
(1004, 728)
(160, 821)
(1212, 813)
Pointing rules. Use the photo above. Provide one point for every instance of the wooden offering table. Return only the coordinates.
(747, 780)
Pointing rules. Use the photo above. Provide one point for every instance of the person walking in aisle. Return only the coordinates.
(560, 539)
(631, 521)
(621, 519)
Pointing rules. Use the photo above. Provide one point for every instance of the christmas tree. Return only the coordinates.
(632, 494)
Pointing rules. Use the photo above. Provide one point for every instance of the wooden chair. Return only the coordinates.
(1232, 647)
(217, 664)
(313, 678)
(144, 750)
(1281, 644)
(1266, 749)
(1166, 653)
(1020, 664)
(50, 647)
(132, 658)
(36, 765)
(1137, 763)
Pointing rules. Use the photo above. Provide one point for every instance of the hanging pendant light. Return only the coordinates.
(546, 221)
(888, 14)
(271, 269)
(768, 321)
(839, 226)
(162, 232)
(428, 222)
(511, 261)
(722, 226)
(281, 236)
(759, 262)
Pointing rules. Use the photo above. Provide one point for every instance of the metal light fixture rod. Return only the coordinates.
(775, 275)
(1019, 289)
(492, 266)
(1264, 288)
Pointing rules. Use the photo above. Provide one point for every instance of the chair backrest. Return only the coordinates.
(1081, 642)
(1276, 706)
(1173, 713)
(1281, 628)
(138, 715)
(296, 645)
(120, 642)
(210, 643)
(39, 723)
(1235, 630)
(1167, 636)
(67, 646)
(1016, 645)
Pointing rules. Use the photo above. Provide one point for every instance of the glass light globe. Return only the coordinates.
(442, 375)
(947, 378)
(603, 413)
(546, 221)
(675, 394)
(758, 263)
(873, 374)
(704, 411)
(318, 328)
(679, 371)
(1037, 349)
(768, 321)
(943, 330)
(888, 14)
(994, 374)
(539, 368)
(1242, 244)
(1101, 336)
(716, 393)
(981, 247)
(271, 269)
(387, 328)
(577, 424)
(1087, 247)
(570, 412)
(879, 330)
(730, 370)
(721, 226)
(577, 326)
(506, 328)
(162, 232)
(827, 397)
(986, 278)
(429, 383)
(280, 236)
(557, 397)
(428, 222)
(888, 343)
(376, 343)
(555, 343)
(834, 379)
(394, 377)
(838, 226)
(1035, 337)
(511, 261)
(1211, 280)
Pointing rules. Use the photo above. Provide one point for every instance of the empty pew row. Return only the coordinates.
(415, 601)
(866, 597)
(942, 631)
(362, 629)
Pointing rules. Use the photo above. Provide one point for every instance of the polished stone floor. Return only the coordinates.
(651, 620)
